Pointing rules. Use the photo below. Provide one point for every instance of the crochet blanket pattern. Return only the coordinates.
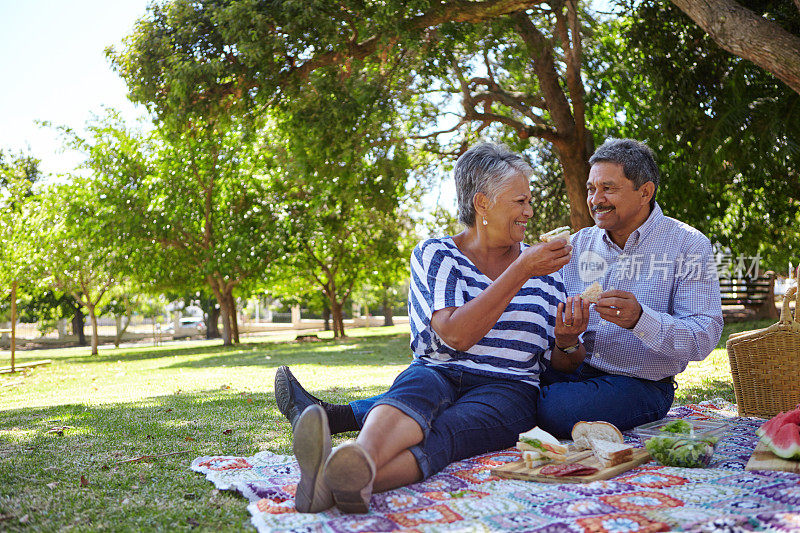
(466, 497)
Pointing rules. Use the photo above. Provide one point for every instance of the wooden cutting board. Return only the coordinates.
(518, 470)
(764, 459)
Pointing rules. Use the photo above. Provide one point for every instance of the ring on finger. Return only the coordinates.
(618, 312)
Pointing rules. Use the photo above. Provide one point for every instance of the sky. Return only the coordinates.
(53, 68)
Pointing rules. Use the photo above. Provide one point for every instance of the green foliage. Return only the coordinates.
(185, 205)
(726, 132)
(19, 173)
(44, 305)
(342, 189)
(72, 255)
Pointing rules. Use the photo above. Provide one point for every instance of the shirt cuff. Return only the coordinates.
(649, 327)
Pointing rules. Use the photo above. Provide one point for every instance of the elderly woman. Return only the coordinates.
(486, 313)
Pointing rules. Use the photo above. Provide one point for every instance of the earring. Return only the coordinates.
(484, 222)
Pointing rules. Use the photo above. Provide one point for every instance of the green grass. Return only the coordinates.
(201, 399)
(711, 377)
(194, 398)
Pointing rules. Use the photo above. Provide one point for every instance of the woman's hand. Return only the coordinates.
(546, 257)
(572, 319)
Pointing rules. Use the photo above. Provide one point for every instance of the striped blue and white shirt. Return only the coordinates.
(670, 267)
(521, 340)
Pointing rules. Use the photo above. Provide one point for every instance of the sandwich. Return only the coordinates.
(605, 440)
(610, 453)
(592, 292)
(582, 432)
(533, 459)
(558, 233)
(543, 443)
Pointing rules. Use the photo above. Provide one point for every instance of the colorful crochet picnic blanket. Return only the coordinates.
(466, 497)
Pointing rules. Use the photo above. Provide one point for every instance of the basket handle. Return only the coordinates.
(786, 312)
(797, 296)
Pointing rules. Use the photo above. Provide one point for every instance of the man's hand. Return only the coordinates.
(620, 307)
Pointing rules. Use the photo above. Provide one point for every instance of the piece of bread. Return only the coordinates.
(532, 459)
(610, 453)
(583, 431)
(558, 233)
(592, 292)
(537, 439)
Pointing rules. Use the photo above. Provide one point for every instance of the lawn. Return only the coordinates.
(104, 443)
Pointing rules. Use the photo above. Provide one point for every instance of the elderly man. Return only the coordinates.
(659, 309)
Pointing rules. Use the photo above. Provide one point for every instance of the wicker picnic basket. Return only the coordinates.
(765, 364)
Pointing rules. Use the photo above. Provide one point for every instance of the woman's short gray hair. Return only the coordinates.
(637, 160)
(484, 168)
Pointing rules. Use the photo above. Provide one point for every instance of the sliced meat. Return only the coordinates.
(567, 469)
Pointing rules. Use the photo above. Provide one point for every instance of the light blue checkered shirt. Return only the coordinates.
(670, 267)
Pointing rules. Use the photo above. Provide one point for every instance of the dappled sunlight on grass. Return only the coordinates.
(133, 419)
(706, 379)
(142, 373)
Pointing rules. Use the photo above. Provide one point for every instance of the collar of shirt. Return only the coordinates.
(639, 233)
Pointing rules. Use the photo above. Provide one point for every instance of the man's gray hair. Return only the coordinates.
(484, 168)
(637, 160)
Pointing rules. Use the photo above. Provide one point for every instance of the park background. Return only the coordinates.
(275, 156)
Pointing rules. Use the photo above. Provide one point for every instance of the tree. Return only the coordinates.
(19, 173)
(727, 134)
(191, 207)
(342, 187)
(47, 306)
(757, 35)
(72, 253)
(515, 64)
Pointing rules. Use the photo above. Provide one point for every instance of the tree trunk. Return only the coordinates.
(748, 35)
(225, 315)
(234, 315)
(388, 319)
(220, 292)
(326, 316)
(575, 164)
(212, 322)
(78, 325)
(93, 319)
(13, 323)
(569, 135)
(337, 319)
(120, 328)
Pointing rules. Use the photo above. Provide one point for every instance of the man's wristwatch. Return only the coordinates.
(570, 349)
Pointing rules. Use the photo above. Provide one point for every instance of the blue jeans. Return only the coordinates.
(590, 394)
(461, 414)
(587, 394)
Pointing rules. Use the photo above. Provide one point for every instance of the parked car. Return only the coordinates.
(188, 325)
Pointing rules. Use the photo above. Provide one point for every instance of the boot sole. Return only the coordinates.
(349, 473)
(312, 446)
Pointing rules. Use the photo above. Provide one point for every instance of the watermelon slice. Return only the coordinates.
(781, 434)
(786, 442)
(771, 426)
(793, 416)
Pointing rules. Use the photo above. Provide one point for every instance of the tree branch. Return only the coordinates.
(456, 11)
(749, 36)
(545, 67)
